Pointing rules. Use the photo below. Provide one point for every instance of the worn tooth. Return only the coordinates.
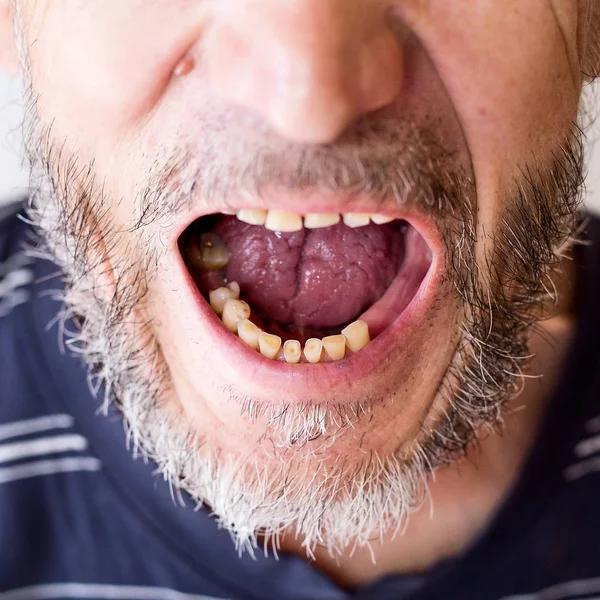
(285, 222)
(313, 349)
(252, 216)
(249, 333)
(218, 297)
(234, 286)
(320, 220)
(356, 219)
(235, 311)
(381, 219)
(269, 345)
(357, 335)
(292, 351)
(335, 346)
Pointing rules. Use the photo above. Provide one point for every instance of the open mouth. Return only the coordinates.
(306, 289)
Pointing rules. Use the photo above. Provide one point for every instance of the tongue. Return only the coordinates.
(319, 278)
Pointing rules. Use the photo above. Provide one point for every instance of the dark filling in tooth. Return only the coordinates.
(208, 252)
(308, 283)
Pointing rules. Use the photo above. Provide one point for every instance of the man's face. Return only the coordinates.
(154, 123)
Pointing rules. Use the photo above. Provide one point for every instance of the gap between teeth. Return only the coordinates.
(287, 222)
(235, 314)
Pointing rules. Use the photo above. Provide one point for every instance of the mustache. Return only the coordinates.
(384, 159)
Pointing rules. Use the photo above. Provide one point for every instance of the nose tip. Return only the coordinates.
(308, 67)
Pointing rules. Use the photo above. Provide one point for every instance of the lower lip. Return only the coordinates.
(314, 380)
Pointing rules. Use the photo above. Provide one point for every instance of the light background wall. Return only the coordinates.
(13, 179)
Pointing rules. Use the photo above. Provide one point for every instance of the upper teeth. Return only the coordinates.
(279, 220)
(318, 220)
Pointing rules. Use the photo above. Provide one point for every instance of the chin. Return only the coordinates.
(315, 443)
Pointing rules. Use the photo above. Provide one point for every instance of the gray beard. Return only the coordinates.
(255, 497)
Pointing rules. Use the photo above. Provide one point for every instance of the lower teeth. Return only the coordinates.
(235, 315)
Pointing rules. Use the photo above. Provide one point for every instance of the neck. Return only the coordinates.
(465, 496)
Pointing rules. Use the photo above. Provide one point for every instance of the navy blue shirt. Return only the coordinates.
(81, 518)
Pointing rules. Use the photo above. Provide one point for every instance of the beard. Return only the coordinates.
(335, 502)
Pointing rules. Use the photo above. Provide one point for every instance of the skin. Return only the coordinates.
(508, 82)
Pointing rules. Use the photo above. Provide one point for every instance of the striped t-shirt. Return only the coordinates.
(81, 518)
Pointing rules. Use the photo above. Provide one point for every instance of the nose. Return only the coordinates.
(308, 67)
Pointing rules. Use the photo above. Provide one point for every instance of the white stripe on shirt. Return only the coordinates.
(14, 262)
(14, 280)
(98, 591)
(17, 298)
(48, 467)
(588, 447)
(18, 428)
(46, 445)
(581, 469)
(559, 591)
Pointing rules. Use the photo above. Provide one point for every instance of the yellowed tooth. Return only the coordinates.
(357, 335)
(313, 349)
(218, 297)
(292, 351)
(235, 311)
(234, 286)
(320, 220)
(335, 346)
(285, 222)
(269, 345)
(381, 219)
(249, 333)
(356, 219)
(252, 216)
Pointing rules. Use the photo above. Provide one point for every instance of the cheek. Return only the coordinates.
(98, 71)
(511, 71)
